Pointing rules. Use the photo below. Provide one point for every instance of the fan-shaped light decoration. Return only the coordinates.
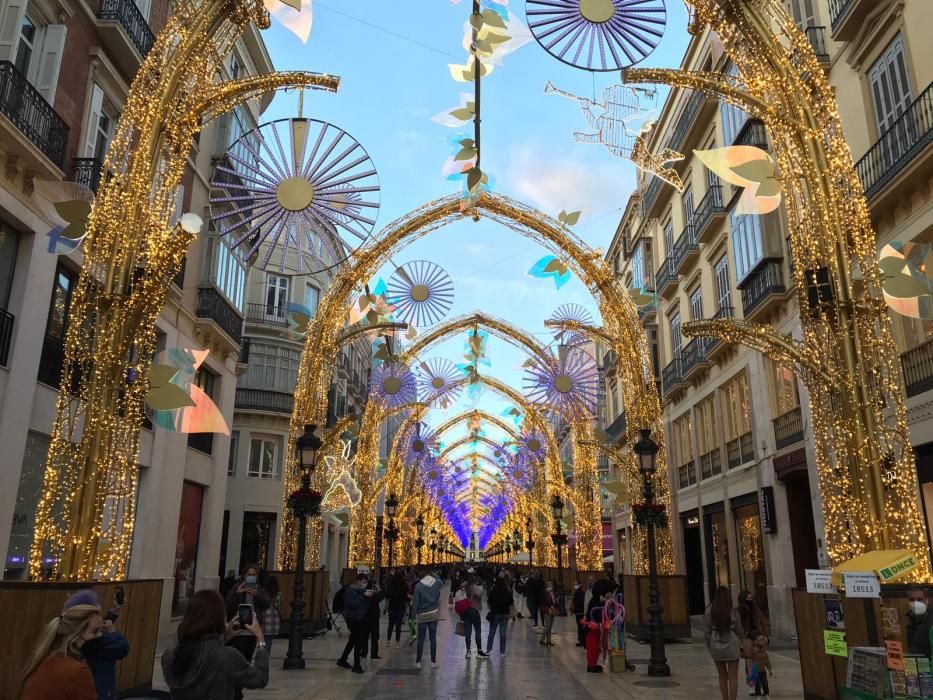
(532, 446)
(439, 382)
(422, 444)
(421, 292)
(566, 382)
(297, 195)
(572, 312)
(621, 32)
(394, 384)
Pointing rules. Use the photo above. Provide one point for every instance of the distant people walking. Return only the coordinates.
(534, 593)
(355, 611)
(548, 611)
(578, 605)
(201, 666)
(500, 603)
(425, 607)
(757, 632)
(272, 618)
(723, 632)
(397, 602)
(57, 669)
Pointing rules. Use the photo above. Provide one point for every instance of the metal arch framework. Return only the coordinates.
(496, 326)
(482, 415)
(465, 441)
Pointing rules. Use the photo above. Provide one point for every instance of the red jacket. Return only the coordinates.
(60, 678)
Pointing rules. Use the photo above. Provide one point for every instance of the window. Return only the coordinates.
(784, 384)
(803, 13)
(101, 120)
(312, 296)
(206, 381)
(234, 446)
(262, 459)
(25, 46)
(723, 289)
(57, 323)
(683, 450)
(890, 86)
(687, 202)
(9, 244)
(34, 49)
(736, 418)
(675, 335)
(276, 295)
(668, 238)
(272, 367)
(707, 434)
(638, 268)
(733, 118)
(747, 242)
(228, 273)
(696, 304)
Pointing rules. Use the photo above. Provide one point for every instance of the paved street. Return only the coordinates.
(528, 671)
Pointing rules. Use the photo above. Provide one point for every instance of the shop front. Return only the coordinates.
(693, 560)
(716, 533)
(750, 548)
(792, 472)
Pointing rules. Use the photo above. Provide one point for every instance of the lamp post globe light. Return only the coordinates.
(530, 542)
(391, 531)
(647, 451)
(303, 503)
(419, 543)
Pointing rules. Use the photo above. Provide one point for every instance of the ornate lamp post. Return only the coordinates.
(392, 530)
(302, 503)
(433, 546)
(558, 538)
(508, 549)
(419, 543)
(530, 542)
(647, 515)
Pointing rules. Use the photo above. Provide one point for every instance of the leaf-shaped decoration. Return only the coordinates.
(474, 178)
(75, 213)
(749, 167)
(898, 282)
(493, 19)
(761, 172)
(462, 113)
(553, 266)
(465, 153)
(162, 394)
(569, 218)
(641, 298)
(295, 15)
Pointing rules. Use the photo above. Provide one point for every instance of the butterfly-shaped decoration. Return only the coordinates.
(294, 15)
(162, 394)
(299, 317)
(67, 205)
(907, 283)
(749, 167)
(658, 164)
(201, 415)
(550, 266)
(345, 484)
(569, 218)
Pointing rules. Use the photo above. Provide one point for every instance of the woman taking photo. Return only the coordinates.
(201, 665)
(723, 632)
(56, 669)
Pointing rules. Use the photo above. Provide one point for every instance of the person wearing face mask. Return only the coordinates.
(103, 652)
(356, 613)
(246, 591)
(919, 621)
(548, 611)
(57, 669)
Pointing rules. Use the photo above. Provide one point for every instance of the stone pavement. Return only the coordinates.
(528, 671)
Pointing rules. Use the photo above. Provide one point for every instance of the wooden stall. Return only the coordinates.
(674, 604)
(824, 676)
(26, 608)
(317, 594)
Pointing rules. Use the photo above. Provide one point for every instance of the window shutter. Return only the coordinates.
(11, 19)
(50, 61)
(95, 108)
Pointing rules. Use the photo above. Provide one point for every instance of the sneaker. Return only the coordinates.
(433, 664)
(482, 654)
(417, 664)
(468, 653)
(357, 669)
(501, 654)
(343, 664)
(398, 645)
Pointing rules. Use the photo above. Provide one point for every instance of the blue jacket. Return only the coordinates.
(427, 597)
(102, 654)
(355, 605)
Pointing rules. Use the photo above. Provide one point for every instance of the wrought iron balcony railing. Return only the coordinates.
(671, 375)
(264, 400)
(917, 365)
(708, 208)
(752, 133)
(212, 305)
(740, 451)
(687, 117)
(52, 362)
(724, 312)
(685, 246)
(693, 356)
(838, 10)
(788, 428)
(651, 194)
(266, 315)
(666, 275)
(898, 146)
(23, 105)
(131, 19)
(815, 37)
(6, 335)
(616, 429)
(87, 172)
(764, 282)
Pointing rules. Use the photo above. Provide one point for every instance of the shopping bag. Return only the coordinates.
(460, 629)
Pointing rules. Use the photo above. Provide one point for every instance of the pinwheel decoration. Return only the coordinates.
(439, 382)
(298, 195)
(566, 382)
(577, 314)
(173, 375)
(532, 446)
(550, 266)
(394, 384)
(422, 444)
(597, 35)
(421, 292)
(907, 283)
(67, 205)
(748, 167)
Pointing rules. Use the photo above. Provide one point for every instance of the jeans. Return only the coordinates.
(431, 628)
(373, 638)
(359, 632)
(471, 619)
(502, 622)
(533, 609)
(548, 625)
(395, 622)
(761, 683)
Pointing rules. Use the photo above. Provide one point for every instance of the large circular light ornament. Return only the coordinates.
(439, 382)
(297, 196)
(565, 382)
(534, 445)
(421, 292)
(393, 384)
(577, 314)
(597, 35)
(418, 445)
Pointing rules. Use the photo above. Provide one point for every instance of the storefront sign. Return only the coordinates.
(895, 652)
(861, 584)
(835, 643)
(692, 521)
(898, 568)
(820, 581)
(768, 515)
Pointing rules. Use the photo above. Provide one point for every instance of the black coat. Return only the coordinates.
(260, 601)
(397, 594)
(500, 598)
(918, 633)
(579, 599)
(534, 590)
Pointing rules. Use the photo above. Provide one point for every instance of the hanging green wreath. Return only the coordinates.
(305, 502)
(650, 514)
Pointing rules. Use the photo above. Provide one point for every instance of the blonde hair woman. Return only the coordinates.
(56, 669)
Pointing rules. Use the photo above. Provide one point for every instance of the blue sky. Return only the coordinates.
(392, 59)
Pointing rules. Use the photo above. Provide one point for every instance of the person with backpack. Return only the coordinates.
(353, 607)
(723, 634)
(425, 607)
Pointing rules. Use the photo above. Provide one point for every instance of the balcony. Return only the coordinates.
(788, 429)
(686, 475)
(666, 277)
(740, 451)
(125, 32)
(616, 429)
(266, 315)
(763, 289)
(714, 345)
(817, 41)
(693, 358)
(244, 352)
(651, 196)
(224, 174)
(711, 464)
(709, 214)
(752, 133)
(213, 307)
(87, 171)
(917, 365)
(35, 119)
(899, 146)
(847, 17)
(264, 400)
(6, 335)
(686, 248)
(671, 378)
(688, 118)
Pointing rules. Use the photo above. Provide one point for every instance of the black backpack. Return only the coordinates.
(337, 605)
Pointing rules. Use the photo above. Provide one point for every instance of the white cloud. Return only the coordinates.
(553, 183)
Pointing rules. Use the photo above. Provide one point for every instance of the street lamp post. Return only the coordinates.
(419, 543)
(557, 510)
(647, 451)
(391, 531)
(307, 447)
(433, 546)
(530, 542)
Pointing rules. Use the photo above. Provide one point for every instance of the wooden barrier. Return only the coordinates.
(674, 603)
(26, 608)
(317, 592)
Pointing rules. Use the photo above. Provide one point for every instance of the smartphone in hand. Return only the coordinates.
(245, 613)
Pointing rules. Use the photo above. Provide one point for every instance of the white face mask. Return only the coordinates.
(918, 607)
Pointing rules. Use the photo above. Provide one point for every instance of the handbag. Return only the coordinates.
(460, 629)
(747, 648)
(428, 616)
(461, 606)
